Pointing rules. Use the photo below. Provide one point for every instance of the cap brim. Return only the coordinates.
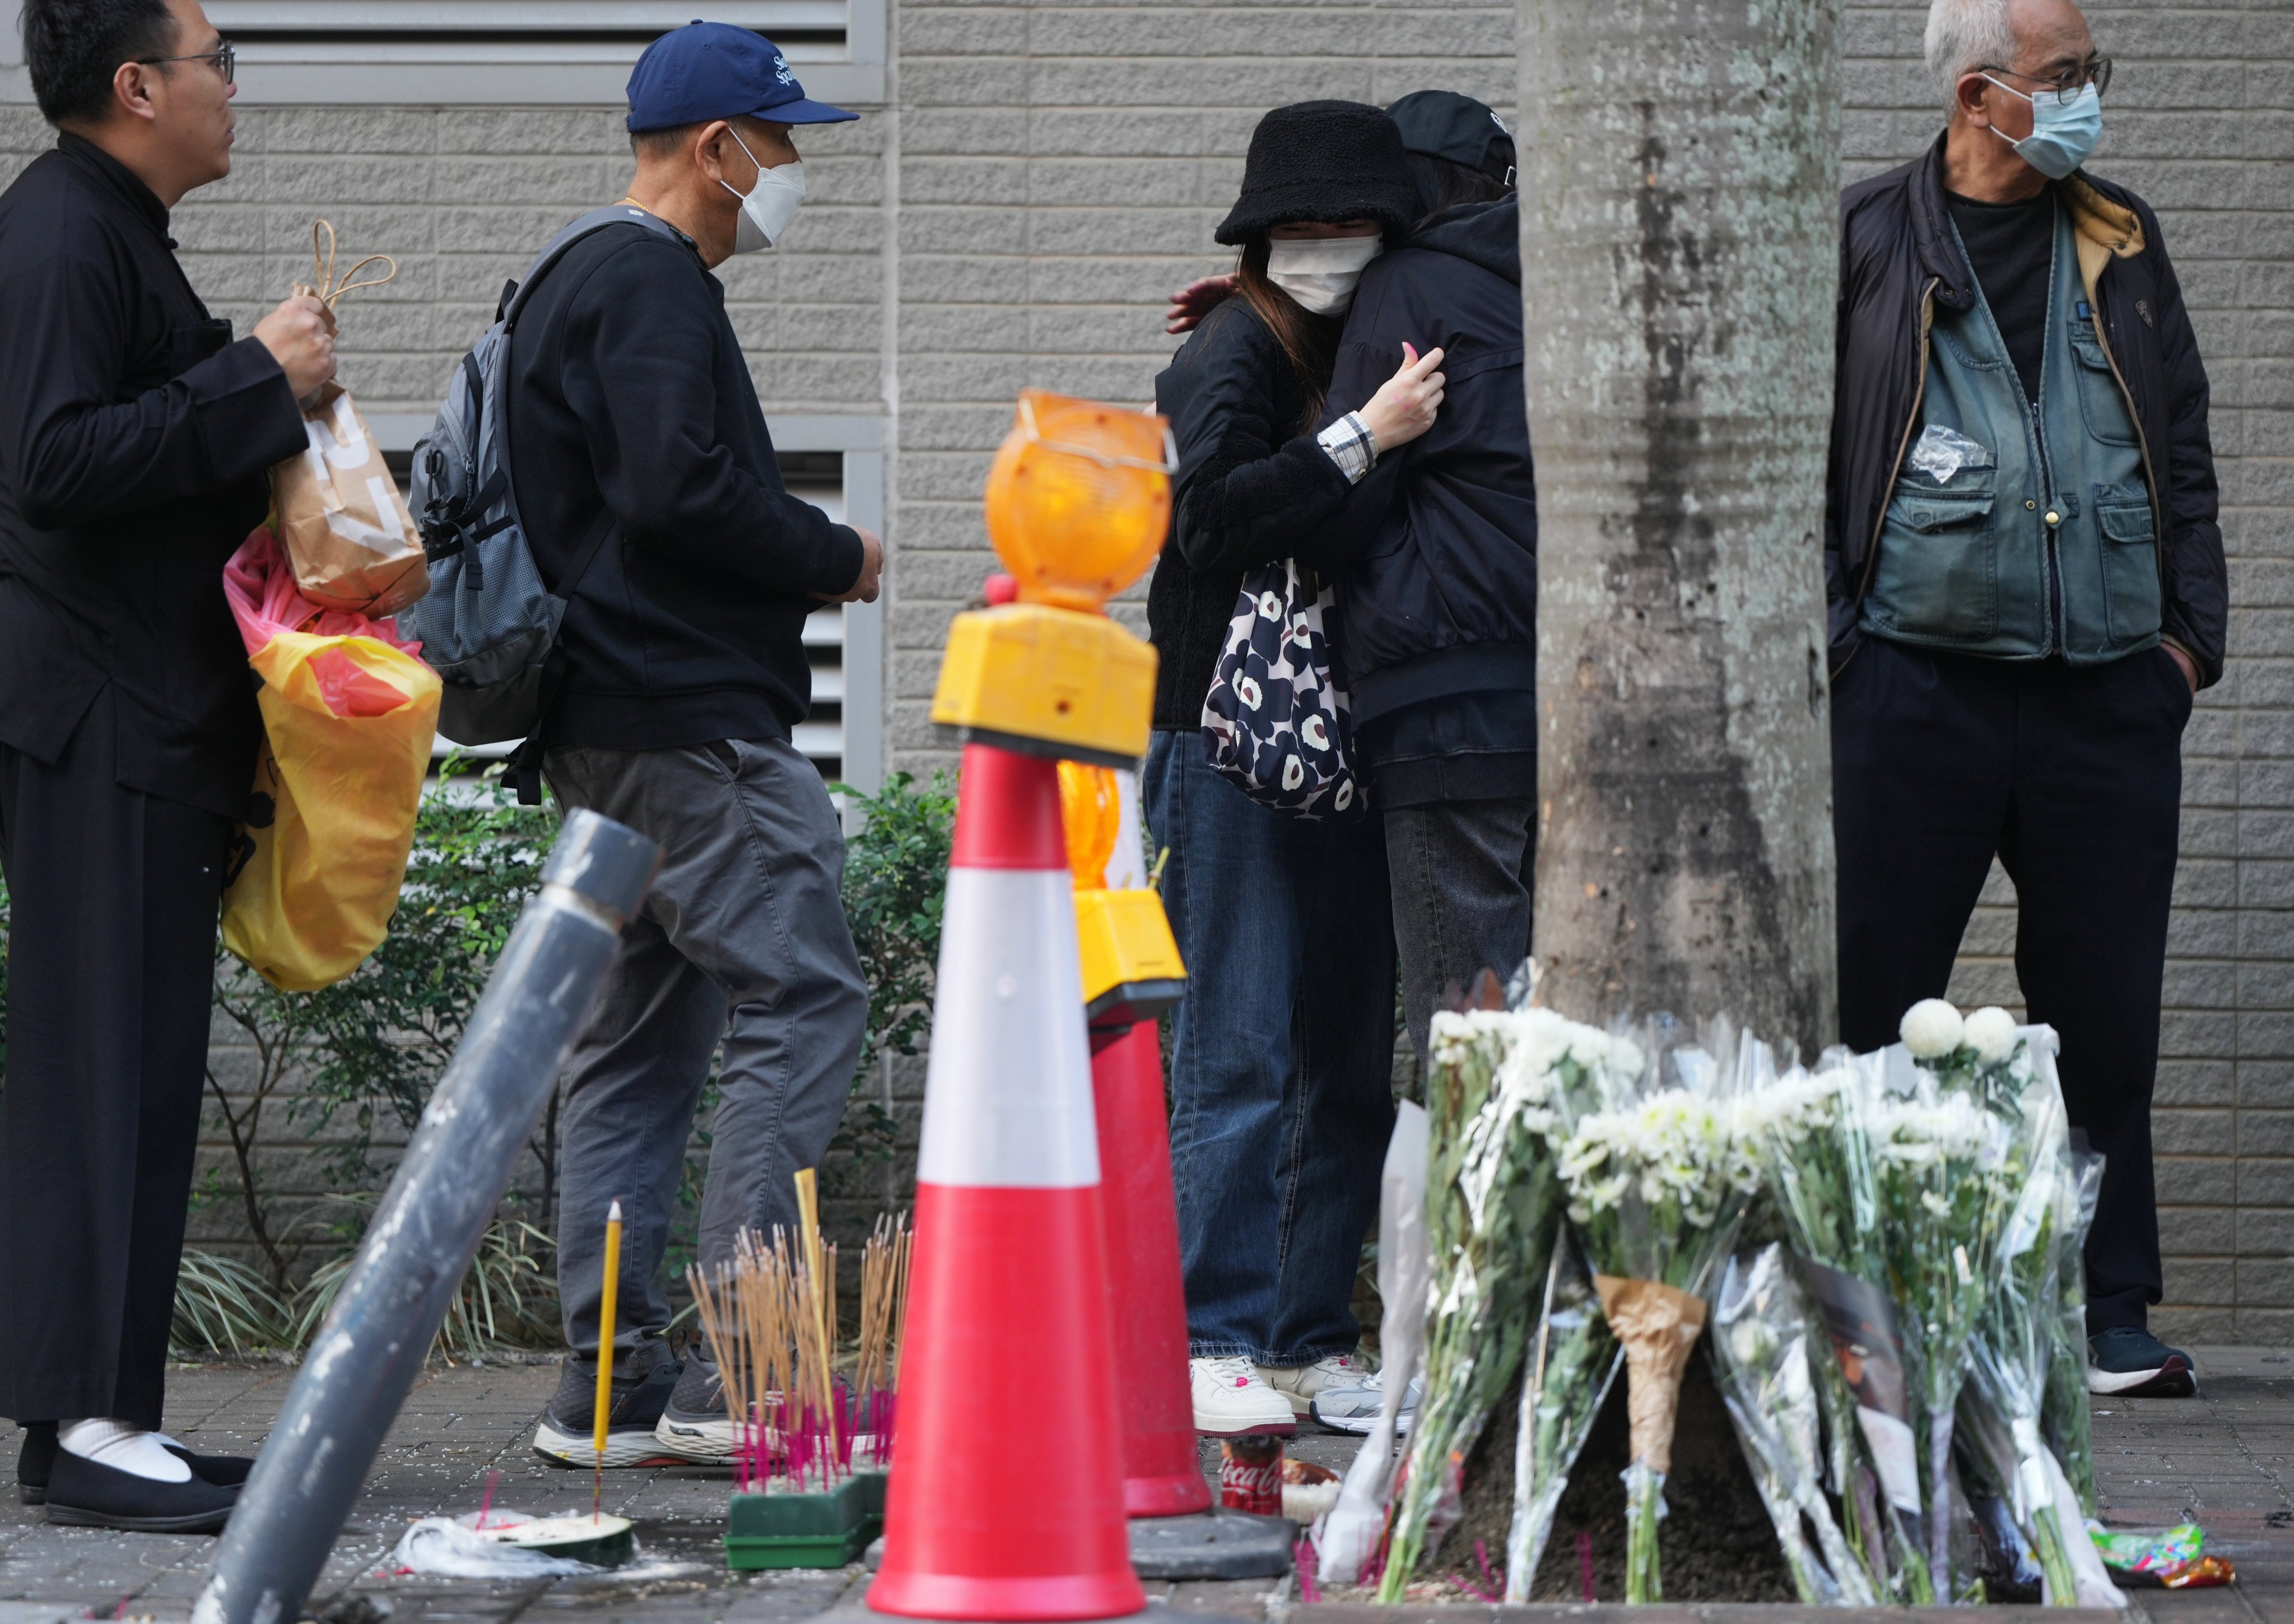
(804, 110)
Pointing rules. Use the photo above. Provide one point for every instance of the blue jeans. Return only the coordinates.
(1281, 1061)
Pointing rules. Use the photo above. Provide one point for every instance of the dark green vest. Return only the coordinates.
(2048, 550)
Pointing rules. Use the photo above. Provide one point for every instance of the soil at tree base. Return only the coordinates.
(1718, 1543)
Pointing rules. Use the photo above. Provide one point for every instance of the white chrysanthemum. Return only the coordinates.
(1671, 1146)
(1932, 1029)
(1913, 1133)
(1990, 1032)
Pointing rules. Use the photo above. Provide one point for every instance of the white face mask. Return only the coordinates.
(1320, 272)
(771, 203)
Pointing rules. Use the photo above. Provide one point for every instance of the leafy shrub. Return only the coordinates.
(895, 882)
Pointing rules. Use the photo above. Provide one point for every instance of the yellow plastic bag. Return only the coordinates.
(348, 716)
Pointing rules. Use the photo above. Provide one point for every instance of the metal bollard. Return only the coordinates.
(367, 1355)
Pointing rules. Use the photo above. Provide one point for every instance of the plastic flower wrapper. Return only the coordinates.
(1942, 1158)
(2067, 1421)
(1656, 1184)
(1812, 1132)
(2009, 1357)
(1492, 1207)
(1347, 1535)
(1565, 1380)
(1763, 1345)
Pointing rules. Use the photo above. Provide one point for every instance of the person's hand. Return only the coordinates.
(2183, 662)
(1404, 405)
(1195, 301)
(300, 335)
(872, 572)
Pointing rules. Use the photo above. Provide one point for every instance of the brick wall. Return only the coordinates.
(1060, 168)
(2201, 121)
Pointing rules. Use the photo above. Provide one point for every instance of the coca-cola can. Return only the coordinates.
(1251, 1476)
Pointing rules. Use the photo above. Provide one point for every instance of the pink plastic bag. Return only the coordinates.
(260, 585)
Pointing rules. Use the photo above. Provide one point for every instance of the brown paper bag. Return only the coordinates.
(347, 529)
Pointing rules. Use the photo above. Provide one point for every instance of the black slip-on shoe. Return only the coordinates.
(38, 1458)
(2129, 1362)
(83, 1493)
(565, 1436)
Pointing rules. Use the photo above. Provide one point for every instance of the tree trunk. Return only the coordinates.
(1679, 182)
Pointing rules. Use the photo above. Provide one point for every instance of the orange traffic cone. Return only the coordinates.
(1005, 1499)
(1162, 1473)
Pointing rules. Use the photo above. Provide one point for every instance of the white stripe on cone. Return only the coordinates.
(1007, 1094)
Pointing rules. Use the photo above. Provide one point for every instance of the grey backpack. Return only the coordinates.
(489, 624)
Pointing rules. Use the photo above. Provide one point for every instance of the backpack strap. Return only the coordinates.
(596, 219)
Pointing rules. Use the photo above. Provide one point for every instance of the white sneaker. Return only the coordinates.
(1231, 1400)
(1300, 1383)
(1355, 1409)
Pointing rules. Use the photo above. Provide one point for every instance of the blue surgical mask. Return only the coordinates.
(2062, 132)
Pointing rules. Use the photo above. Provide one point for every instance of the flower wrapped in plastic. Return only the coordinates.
(2014, 1344)
(2067, 1421)
(1813, 1132)
(1765, 1359)
(1657, 1183)
(1945, 1187)
(1572, 1364)
(1492, 1205)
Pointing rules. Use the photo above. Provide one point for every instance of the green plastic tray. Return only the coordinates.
(805, 1530)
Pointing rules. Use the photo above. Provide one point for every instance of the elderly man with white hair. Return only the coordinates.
(2026, 585)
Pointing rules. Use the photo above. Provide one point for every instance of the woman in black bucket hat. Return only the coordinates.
(1283, 1050)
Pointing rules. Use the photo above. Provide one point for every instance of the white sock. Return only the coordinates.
(124, 1448)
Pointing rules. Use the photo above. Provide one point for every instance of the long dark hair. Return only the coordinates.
(1309, 340)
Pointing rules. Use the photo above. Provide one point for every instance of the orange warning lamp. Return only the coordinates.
(1079, 498)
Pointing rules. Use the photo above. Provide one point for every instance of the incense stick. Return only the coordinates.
(604, 1405)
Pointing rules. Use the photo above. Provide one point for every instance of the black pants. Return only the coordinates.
(2074, 777)
(1462, 873)
(112, 898)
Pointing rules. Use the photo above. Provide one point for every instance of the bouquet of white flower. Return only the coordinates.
(1657, 1183)
(1940, 1156)
(1765, 1358)
(1492, 1207)
(1572, 1365)
(1815, 1136)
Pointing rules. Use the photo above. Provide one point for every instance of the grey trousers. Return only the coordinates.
(743, 940)
(1461, 871)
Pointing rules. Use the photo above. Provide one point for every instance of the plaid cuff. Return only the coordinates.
(1349, 444)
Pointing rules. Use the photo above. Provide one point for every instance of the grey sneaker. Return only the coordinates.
(565, 1437)
(695, 1425)
(1355, 1409)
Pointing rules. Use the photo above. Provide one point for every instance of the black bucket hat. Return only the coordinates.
(1324, 161)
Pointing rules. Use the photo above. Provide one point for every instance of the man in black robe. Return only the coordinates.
(135, 436)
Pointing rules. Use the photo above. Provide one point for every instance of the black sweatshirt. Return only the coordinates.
(1253, 488)
(628, 388)
(135, 438)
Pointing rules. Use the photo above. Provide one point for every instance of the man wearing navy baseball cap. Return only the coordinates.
(647, 484)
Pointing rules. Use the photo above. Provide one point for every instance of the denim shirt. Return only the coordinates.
(2043, 541)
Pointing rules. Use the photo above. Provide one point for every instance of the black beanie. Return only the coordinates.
(1324, 161)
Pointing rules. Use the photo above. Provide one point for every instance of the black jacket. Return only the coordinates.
(1443, 598)
(1253, 487)
(628, 388)
(1898, 253)
(134, 440)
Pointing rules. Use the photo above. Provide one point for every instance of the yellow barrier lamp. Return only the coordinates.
(1078, 500)
(1131, 966)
